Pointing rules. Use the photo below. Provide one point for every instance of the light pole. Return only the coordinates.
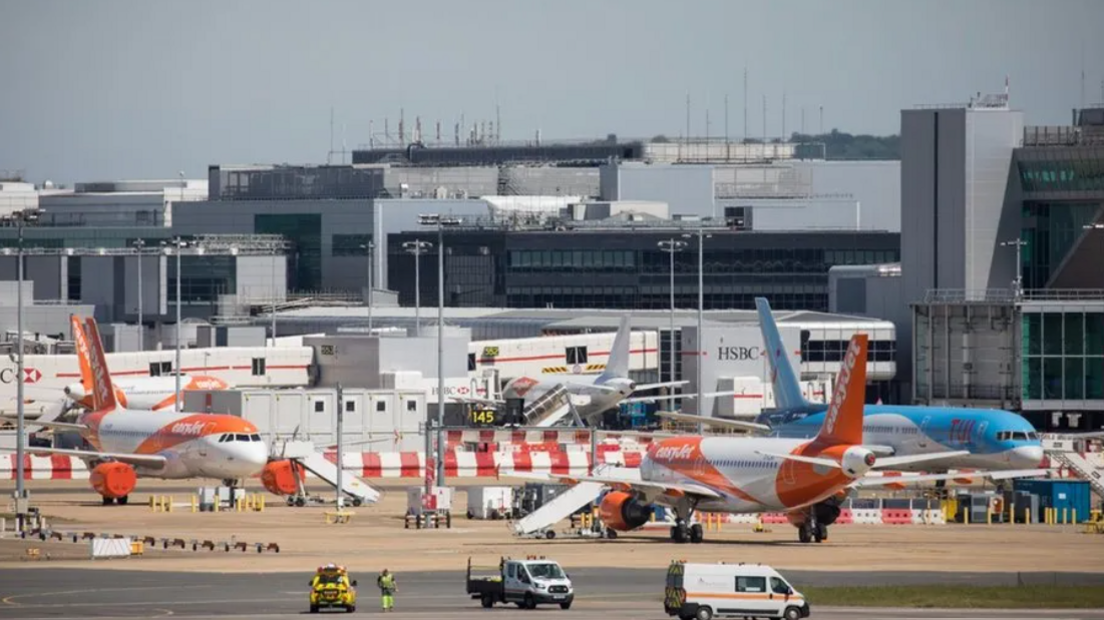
(440, 222)
(178, 244)
(701, 305)
(21, 219)
(138, 245)
(1018, 282)
(368, 249)
(417, 248)
(671, 246)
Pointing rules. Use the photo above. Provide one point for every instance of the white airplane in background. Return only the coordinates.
(801, 477)
(594, 397)
(156, 444)
(150, 393)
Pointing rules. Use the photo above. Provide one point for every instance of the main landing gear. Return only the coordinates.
(812, 530)
(680, 531)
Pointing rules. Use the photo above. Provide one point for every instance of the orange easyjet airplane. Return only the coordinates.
(152, 393)
(129, 443)
(803, 478)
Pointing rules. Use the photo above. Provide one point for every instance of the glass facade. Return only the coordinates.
(1067, 174)
(304, 230)
(1050, 230)
(349, 245)
(625, 268)
(202, 278)
(1063, 355)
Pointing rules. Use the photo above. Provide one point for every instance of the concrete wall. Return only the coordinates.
(360, 360)
(261, 278)
(991, 137)
(687, 189)
(730, 351)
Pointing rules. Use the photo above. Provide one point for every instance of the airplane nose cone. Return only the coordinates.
(1027, 457)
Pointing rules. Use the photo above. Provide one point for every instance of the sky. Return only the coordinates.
(120, 89)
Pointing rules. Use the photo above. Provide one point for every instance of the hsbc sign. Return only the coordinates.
(738, 354)
(30, 375)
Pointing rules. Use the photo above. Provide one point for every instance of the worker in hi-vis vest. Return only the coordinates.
(388, 587)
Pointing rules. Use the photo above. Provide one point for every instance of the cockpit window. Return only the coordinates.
(241, 437)
(1017, 436)
(254, 437)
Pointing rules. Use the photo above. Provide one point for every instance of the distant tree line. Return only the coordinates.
(841, 145)
(834, 145)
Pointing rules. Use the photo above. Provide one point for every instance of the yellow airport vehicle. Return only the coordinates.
(331, 588)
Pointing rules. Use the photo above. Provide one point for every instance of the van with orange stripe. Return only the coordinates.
(706, 591)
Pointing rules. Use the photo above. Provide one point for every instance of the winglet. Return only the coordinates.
(81, 341)
(617, 366)
(103, 394)
(843, 423)
(787, 390)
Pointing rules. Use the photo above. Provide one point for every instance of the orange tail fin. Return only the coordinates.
(81, 340)
(843, 423)
(103, 394)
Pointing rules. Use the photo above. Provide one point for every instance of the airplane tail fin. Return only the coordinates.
(103, 393)
(83, 353)
(617, 366)
(843, 422)
(787, 390)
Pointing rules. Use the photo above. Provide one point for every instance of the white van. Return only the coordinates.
(704, 591)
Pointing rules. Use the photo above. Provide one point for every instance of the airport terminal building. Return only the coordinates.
(979, 191)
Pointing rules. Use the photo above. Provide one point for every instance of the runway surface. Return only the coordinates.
(61, 594)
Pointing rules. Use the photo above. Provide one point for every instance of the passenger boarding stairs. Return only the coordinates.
(1088, 466)
(550, 408)
(304, 453)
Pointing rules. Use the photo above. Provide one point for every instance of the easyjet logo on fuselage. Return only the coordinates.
(841, 388)
(189, 428)
(674, 453)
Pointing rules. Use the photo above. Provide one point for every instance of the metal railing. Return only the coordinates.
(1062, 135)
(1009, 295)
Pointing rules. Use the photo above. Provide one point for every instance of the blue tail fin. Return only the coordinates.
(617, 366)
(787, 390)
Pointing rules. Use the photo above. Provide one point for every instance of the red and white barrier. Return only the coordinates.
(456, 438)
(458, 464)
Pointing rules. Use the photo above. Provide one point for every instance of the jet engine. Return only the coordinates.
(857, 461)
(114, 481)
(622, 512)
(279, 477)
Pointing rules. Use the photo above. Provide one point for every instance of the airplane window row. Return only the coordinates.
(1017, 436)
(748, 464)
(891, 430)
(238, 437)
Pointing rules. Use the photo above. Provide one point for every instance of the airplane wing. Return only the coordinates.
(625, 484)
(882, 463)
(58, 425)
(897, 461)
(908, 478)
(468, 400)
(655, 386)
(700, 419)
(812, 460)
(144, 460)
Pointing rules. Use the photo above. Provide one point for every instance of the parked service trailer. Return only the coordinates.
(490, 502)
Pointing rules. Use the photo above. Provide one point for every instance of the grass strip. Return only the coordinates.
(958, 597)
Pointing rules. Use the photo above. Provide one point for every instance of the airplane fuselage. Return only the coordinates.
(194, 445)
(996, 439)
(747, 481)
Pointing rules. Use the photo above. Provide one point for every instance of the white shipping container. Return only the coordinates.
(416, 500)
(490, 502)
